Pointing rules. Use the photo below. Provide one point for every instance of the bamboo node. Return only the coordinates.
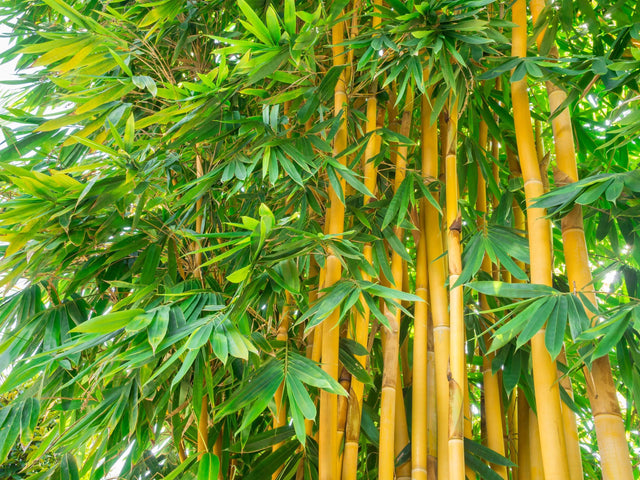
(456, 225)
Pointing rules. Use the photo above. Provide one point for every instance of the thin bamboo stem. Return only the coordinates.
(456, 307)
(492, 391)
(437, 291)
(328, 426)
(544, 371)
(420, 396)
(360, 332)
(203, 427)
(391, 347)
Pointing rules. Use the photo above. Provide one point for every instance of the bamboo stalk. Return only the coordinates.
(544, 371)
(492, 390)
(391, 347)
(401, 434)
(456, 306)
(437, 290)
(343, 407)
(432, 414)
(328, 427)
(610, 430)
(535, 448)
(420, 396)
(203, 427)
(375, 119)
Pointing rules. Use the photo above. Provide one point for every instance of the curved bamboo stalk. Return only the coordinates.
(544, 371)
(610, 431)
(328, 426)
(437, 291)
(391, 345)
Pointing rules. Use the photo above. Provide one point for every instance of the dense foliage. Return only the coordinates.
(165, 176)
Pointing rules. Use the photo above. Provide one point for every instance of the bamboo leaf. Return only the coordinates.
(538, 321)
(612, 336)
(209, 466)
(554, 335)
(109, 322)
(485, 453)
(264, 440)
(512, 290)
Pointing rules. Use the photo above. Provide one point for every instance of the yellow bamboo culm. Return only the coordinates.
(609, 426)
(574, 457)
(492, 390)
(420, 396)
(457, 375)
(401, 434)
(203, 427)
(535, 449)
(400, 279)
(328, 426)
(432, 413)
(375, 120)
(391, 347)
(553, 448)
(437, 291)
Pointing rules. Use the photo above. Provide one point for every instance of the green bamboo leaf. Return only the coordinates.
(554, 335)
(109, 322)
(254, 24)
(9, 430)
(480, 467)
(209, 466)
(311, 374)
(158, 327)
(485, 453)
(509, 330)
(354, 367)
(238, 276)
(264, 440)
(472, 260)
(400, 198)
(300, 397)
(290, 17)
(181, 468)
(68, 468)
(378, 290)
(268, 464)
(512, 290)
(29, 419)
(539, 320)
(612, 336)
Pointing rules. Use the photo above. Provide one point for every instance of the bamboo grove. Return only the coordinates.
(328, 240)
